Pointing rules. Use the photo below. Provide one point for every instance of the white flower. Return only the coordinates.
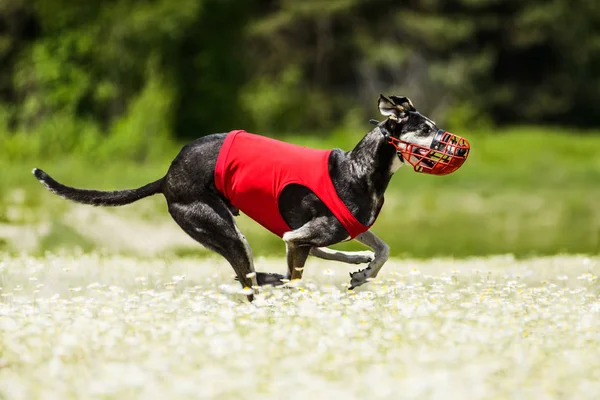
(587, 277)
(246, 291)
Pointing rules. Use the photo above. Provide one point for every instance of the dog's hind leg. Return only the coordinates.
(210, 223)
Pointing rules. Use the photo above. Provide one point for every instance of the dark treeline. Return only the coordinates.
(190, 67)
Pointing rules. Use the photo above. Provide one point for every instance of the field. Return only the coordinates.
(120, 303)
(114, 327)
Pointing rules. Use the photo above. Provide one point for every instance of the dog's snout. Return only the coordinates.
(461, 152)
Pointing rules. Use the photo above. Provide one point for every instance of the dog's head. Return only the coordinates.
(418, 140)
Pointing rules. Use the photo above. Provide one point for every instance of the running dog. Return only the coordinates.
(310, 198)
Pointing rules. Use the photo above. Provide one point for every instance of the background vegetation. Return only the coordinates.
(103, 93)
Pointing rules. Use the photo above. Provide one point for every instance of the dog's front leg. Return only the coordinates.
(296, 258)
(297, 250)
(382, 252)
(299, 242)
(296, 255)
(348, 257)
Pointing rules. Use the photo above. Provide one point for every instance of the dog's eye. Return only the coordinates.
(427, 129)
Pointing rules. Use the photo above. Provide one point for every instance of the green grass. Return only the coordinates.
(526, 191)
(113, 327)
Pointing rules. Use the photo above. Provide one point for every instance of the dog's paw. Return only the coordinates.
(359, 277)
(267, 278)
(362, 257)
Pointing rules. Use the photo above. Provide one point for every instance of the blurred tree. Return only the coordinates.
(514, 61)
(93, 57)
(209, 69)
(18, 26)
(281, 65)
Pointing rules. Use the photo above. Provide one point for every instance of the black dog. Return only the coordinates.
(360, 178)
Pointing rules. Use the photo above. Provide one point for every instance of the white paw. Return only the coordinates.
(362, 257)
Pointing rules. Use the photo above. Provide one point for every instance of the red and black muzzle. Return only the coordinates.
(446, 154)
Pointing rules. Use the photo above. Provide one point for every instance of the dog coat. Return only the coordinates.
(252, 171)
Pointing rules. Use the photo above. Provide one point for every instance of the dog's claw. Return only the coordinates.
(358, 278)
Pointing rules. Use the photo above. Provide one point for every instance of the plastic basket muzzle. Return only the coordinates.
(446, 154)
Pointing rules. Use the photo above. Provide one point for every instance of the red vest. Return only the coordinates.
(252, 171)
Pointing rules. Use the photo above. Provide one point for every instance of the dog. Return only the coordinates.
(311, 198)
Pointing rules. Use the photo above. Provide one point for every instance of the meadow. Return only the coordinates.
(100, 326)
(120, 303)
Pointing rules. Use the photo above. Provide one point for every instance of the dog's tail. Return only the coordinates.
(97, 197)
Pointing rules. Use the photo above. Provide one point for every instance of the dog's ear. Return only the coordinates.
(395, 109)
(388, 108)
(404, 103)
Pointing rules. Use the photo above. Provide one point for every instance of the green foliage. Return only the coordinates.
(506, 60)
(283, 101)
(145, 130)
(60, 135)
(289, 65)
(96, 73)
(143, 133)
(467, 117)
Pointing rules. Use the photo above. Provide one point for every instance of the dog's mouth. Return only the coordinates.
(418, 156)
(425, 161)
(421, 151)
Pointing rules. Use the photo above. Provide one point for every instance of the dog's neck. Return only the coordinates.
(374, 161)
(370, 166)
